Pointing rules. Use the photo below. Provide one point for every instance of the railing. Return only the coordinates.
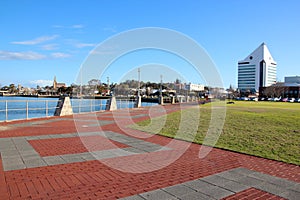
(125, 103)
(88, 105)
(25, 109)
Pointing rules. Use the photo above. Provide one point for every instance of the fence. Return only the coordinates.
(27, 109)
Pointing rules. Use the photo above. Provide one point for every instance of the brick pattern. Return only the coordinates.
(253, 194)
(3, 187)
(61, 146)
(96, 180)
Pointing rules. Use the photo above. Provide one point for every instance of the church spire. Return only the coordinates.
(54, 83)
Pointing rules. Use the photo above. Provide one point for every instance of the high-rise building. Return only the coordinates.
(257, 70)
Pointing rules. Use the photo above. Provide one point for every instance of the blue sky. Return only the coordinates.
(43, 39)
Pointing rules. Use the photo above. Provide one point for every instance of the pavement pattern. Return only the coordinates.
(97, 156)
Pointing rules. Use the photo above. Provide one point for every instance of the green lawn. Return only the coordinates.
(266, 129)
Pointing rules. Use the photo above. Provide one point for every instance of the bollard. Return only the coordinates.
(161, 100)
(111, 104)
(63, 107)
(172, 100)
(138, 102)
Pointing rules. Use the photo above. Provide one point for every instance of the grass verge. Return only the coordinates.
(265, 129)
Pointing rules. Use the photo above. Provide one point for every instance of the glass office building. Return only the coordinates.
(257, 70)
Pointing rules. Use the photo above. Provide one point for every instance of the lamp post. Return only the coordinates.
(138, 102)
(139, 81)
(160, 89)
(108, 85)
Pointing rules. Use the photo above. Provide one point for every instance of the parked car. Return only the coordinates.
(291, 100)
(244, 98)
(253, 99)
(284, 99)
(277, 98)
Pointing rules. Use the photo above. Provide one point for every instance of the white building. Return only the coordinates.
(257, 70)
(194, 87)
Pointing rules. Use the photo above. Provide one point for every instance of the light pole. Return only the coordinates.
(108, 85)
(160, 89)
(139, 81)
(138, 102)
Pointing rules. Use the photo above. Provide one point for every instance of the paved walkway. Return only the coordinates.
(96, 156)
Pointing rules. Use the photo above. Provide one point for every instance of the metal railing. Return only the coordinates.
(88, 105)
(26, 109)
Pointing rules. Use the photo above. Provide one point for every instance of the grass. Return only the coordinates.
(266, 129)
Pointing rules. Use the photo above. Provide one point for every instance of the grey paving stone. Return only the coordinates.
(164, 148)
(231, 175)
(178, 190)
(30, 152)
(119, 139)
(42, 137)
(273, 180)
(242, 171)
(19, 140)
(37, 162)
(68, 135)
(13, 160)
(24, 147)
(249, 181)
(198, 185)
(30, 157)
(215, 180)
(14, 167)
(234, 186)
(55, 136)
(32, 138)
(271, 188)
(150, 149)
(8, 148)
(215, 192)
(295, 187)
(8, 154)
(134, 150)
(7, 143)
(87, 156)
(157, 194)
(195, 196)
(134, 197)
(70, 158)
(5, 140)
(98, 155)
(102, 122)
(110, 134)
(54, 160)
(290, 194)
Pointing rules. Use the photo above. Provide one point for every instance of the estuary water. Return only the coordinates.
(14, 108)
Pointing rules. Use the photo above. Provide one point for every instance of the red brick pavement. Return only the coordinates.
(61, 146)
(96, 180)
(253, 194)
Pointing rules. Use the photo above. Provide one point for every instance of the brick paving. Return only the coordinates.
(48, 159)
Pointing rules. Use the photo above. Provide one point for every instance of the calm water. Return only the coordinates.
(43, 107)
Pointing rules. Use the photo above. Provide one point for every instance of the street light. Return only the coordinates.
(139, 81)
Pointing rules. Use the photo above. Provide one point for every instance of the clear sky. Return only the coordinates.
(40, 39)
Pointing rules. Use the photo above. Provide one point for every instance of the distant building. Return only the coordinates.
(57, 85)
(289, 88)
(194, 87)
(292, 79)
(257, 70)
